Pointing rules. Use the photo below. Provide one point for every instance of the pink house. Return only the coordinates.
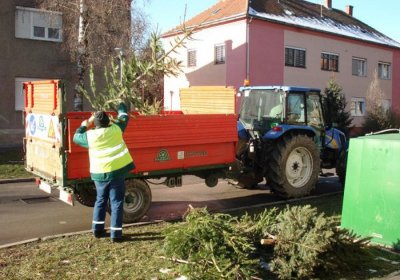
(286, 42)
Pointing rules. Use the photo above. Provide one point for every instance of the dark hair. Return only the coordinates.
(101, 119)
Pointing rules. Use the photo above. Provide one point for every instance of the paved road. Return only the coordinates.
(26, 212)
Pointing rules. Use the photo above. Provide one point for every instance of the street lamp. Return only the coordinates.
(120, 53)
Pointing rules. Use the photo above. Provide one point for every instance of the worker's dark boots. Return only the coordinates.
(99, 233)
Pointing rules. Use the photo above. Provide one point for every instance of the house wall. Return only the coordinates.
(206, 72)
(396, 81)
(23, 58)
(313, 76)
(266, 53)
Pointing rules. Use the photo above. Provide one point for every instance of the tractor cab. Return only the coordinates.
(269, 111)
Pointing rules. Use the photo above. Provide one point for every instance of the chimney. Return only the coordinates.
(349, 10)
(328, 4)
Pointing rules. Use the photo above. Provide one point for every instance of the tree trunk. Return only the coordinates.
(81, 57)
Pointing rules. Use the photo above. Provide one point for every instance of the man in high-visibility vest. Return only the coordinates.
(110, 162)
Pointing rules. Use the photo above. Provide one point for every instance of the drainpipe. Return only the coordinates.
(248, 49)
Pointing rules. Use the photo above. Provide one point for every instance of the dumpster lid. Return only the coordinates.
(384, 136)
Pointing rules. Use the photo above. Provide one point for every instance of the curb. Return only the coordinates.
(16, 180)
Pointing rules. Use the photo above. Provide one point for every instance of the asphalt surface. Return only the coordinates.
(28, 213)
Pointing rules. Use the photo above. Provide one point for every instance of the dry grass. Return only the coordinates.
(84, 257)
(12, 164)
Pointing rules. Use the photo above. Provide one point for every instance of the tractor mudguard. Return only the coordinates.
(283, 129)
(242, 132)
(335, 139)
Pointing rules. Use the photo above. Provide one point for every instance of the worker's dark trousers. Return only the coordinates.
(115, 191)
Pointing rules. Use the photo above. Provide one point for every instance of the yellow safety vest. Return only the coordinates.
(107, 149)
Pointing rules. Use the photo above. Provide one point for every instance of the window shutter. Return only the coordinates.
(220, 54)
(191, 58)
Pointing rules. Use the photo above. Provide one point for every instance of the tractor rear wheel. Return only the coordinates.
(294, 166)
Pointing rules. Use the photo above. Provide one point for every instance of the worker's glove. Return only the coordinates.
(89, 121)
(85, 123)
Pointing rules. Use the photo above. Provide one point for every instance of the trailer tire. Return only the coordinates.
(294, 166)
(137, 200)
(86, 195)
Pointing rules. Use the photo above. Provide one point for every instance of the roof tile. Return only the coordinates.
(291, 12)
(223, 9)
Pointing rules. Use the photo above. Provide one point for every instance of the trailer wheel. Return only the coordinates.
(294, 166)
(86, 195)
(137, 200)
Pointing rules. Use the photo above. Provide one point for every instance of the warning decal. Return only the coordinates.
(43, 126)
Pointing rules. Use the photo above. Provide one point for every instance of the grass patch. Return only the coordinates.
(83, 257)
(12, 164)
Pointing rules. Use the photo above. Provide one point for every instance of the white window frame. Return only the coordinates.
(388, 72)
(219, 54)
(27, 19)
(191, 58)
(359, 67)
(19, 104)
(358, 106)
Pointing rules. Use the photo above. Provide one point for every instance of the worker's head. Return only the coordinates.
(101, 119)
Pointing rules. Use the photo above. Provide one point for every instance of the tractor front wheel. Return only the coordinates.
(294, 166)
(341, 166)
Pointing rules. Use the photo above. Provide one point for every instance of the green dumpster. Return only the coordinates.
(371, 204)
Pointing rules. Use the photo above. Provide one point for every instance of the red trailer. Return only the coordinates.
(162, 146)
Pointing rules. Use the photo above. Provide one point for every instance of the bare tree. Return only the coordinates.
(93, 29)
(130, 82)
(378, 117)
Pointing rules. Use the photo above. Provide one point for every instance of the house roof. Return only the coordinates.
(297, 13)
(223, 10)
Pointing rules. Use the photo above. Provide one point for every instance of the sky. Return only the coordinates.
(383, 15)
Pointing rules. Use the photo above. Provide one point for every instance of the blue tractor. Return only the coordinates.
(284, 140)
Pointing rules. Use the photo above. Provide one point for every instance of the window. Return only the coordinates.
(314, 111)
(19, 92)
(191, 58)
(386, 104)
(295, 57)
(329, 62)
(38, 24)
(219, 53)
(359, 67)
(54, 33)
(295, 108)
(39, 32)
(384, 70)
(357, 107)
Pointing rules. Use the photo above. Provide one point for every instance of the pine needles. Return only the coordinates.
(213, 246)
(297, 243)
